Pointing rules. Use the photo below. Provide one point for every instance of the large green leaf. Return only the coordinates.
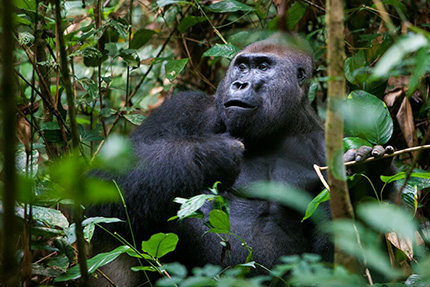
(97, 261)
(229, 6)
(190, 206)
(367, 117)
(408, 44)
(354, 143)
(385, 218)
(160, 244)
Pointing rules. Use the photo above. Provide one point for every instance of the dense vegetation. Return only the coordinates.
(78, 94)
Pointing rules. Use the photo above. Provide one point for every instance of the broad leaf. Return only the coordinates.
(160, 244)
(323, 196)
(140, 38)
(354, 143)
(219, 219)
(97, 261)
(367, 117)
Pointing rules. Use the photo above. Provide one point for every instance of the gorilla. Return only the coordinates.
(259, 126)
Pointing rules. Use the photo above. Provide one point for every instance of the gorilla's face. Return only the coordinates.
(263, 90)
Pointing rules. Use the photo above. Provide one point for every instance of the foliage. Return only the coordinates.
(126, 57)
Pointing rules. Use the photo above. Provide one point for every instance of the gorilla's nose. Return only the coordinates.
(240, 86)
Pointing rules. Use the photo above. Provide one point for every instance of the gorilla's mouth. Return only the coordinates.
(238, 104)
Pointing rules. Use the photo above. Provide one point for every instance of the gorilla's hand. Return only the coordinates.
(365, 152)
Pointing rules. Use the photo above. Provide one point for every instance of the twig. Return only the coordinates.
(411, 149)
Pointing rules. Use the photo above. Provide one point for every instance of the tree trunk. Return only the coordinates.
(8, 262)
(340, 201)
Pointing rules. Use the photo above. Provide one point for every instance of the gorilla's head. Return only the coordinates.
(265, 89)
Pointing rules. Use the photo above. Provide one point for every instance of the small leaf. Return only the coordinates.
(189, 21)
(174, 67)
(135, 119)
(229, 6)
(160, 244)
(140, 38)
(190, 206)
(219, 219)
(323, 196)
(97, 261)
(222, 50)
(162, 3)
(131, 57)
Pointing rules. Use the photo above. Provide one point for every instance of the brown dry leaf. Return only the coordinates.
(405, 118)
(392, 96)
(23, 133)
(401, 244)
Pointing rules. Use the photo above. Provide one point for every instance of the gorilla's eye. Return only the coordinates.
(263, 66)
(242, 67)
(301, 74)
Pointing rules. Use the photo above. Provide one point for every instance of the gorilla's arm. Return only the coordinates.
(179, 152)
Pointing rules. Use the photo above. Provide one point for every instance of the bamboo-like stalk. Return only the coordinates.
(82, 258)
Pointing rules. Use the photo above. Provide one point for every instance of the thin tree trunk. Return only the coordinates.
(9, 265)
(340, 201)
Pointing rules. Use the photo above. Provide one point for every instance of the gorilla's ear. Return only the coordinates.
(302, 76)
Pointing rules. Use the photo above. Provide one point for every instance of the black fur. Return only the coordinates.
(194, 139)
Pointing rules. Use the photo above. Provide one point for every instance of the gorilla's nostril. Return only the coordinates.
(240, 85)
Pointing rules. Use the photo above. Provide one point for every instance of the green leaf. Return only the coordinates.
(160, 244)
(402, 175)
(367, 117)
(174, 67)
(112, 49)
(50, 217)
(295, 13)
(354, 143)
(313, 205)
(189, 21)
(394, 55)
(386, 218)
(219, 219)
(222, 50)
(229, 6)
(352, 66)
(131, 57)
(140, 38)
(143, 268)
(162, 3)
(97, 261)
(25, 4)
(190, 206)
(135, 119)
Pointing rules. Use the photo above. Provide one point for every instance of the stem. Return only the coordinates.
(82, 258)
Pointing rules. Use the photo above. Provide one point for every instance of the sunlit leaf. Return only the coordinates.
(97, 261)
(160, 244)
(222, 50)
(354, 143)
(229, 6)
(409, 43)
